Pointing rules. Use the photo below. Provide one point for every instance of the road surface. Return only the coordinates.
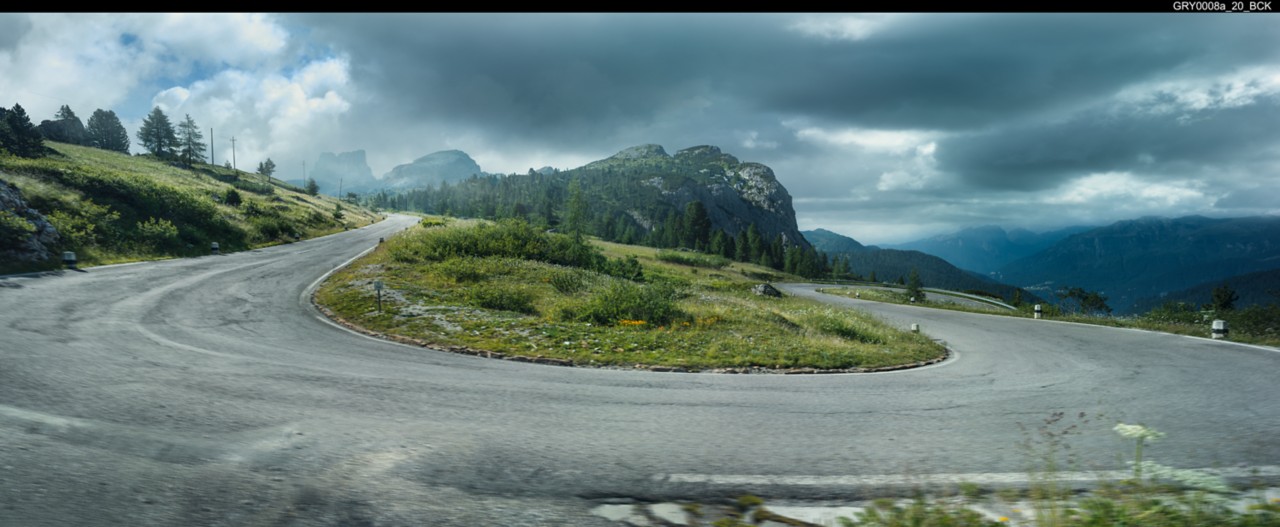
(208, 391)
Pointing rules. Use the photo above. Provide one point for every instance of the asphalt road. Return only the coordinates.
(208, 391)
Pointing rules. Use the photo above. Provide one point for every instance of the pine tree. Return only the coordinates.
(19, 136)
(65, 113)
(312, 188)
(697, 225)
(576, 215)
(267, 168)
(106, 132)
(915, 289)
(157, 134)
(1224, 298)
(190, 140)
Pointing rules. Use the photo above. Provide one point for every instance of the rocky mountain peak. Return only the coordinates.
(641, 152)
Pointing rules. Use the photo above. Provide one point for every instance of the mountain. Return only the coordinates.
(988, 248)
(833, 243)
(736, 194)
(342, 173)
(448, 166)
(1151, 256)
(639, 195)
(1260, 288)
(889, 264)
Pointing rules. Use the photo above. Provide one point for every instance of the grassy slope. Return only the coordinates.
(97, 200)
(721, 323)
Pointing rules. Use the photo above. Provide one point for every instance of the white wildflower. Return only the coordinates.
(1137, 432)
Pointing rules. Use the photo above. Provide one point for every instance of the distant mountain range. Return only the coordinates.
(1150, 257)
(891, 264)
(350, 172)
(986, 249)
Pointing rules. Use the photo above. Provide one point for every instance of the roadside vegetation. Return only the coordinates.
(1152, 494)
(514, 289)
(1255, 324)
(110, 207)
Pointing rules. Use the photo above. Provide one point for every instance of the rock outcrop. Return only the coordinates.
(736, 194)
(25, 234)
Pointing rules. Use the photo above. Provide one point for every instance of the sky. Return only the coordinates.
(886, 128)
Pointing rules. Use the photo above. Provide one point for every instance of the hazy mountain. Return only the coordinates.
(1262, 287)
(431, 170)
(988, 248)
(831, 243)
(345, 172)
(1151, 256)
(889, 264)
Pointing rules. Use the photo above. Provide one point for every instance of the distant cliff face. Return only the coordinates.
(736, 194)
(348, 172)
(447, 166)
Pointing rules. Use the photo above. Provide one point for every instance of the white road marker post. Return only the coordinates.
(214, 248)
(1219, 329)
(69, 259)
(1039, 311)
(915, 328)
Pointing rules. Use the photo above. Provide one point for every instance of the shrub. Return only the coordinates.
(232, 198)
(622, 300)
(14, 229)
(492, 295)
(567, 282)
(693, 259)
(159, 234)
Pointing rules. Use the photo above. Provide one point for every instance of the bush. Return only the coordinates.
(568, 282)
(160, 235)
(1175, 313)
(232, 198)
(693, 259)
(505, 298)
(622, 300)
(508, 239)
(14, 229)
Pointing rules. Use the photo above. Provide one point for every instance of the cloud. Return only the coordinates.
(1119, 138)
(1010, 119)
(13, 26)
(847, 27)
(270, 114)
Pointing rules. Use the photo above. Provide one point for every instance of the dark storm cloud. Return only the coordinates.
(583, 74)
(962, 72)
(565, 77)
(1171, 142)
(12, 28)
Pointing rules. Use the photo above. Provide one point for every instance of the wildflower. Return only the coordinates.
(1004, 519)
(1137, 432)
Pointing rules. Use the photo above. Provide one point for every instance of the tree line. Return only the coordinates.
(183, 142)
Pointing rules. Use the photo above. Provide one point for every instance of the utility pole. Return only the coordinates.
(233, 153)
(339, 189)
(211, 161)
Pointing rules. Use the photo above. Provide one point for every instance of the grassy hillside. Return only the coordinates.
(110, 207)
(517, 291)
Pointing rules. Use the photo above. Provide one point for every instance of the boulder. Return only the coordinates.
(766, 290)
